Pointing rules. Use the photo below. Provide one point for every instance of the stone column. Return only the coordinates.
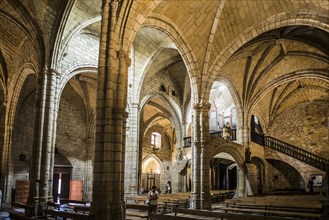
(34, 193)
(43, 142)
(55, 76)
(212, 173)
(111, 116)
(205, 157)
(120, 119)
(102, 123)
(132, 155)
(196, 154)
(7, 165)
(48, 146)
(87, 184)
(241, 183)
(243, 178)
(251, 179)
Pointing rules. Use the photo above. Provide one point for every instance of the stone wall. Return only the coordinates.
(304, 126)
(164, 153)
(23, 137)
(153, 84)
(282, 176)
(71, 136)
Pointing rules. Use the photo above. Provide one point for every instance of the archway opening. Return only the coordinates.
(152, 173)
(223, 172)
(222, 114)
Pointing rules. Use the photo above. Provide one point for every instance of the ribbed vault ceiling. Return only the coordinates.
(272, 72)
(276, 71)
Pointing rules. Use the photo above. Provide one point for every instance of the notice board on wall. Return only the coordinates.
(76, 189)
(21, 191)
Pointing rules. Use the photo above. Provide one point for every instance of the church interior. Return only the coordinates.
(226, 100)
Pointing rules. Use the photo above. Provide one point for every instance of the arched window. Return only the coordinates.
(155, 140)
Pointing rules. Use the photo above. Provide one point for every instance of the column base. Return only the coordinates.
(40, 203)
(109, 211)
(195, 201)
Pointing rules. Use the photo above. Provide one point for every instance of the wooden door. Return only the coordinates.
(76, 190)
(21, 191)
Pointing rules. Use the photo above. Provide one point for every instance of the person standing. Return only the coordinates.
(153, 197)
(227, 131)
(168, 187)
(310, 184)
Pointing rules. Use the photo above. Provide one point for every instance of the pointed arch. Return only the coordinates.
(299, 17)
(148, 160)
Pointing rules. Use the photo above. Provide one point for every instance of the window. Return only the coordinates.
(163, 88)
(155, 140)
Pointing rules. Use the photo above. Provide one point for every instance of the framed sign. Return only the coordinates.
(318, 180)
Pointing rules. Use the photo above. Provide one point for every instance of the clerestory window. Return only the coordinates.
(156, 140)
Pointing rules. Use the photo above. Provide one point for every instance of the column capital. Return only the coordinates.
(202, 106)
(45, 70)
(50, 71)
(135, 105)
(120, 111)
(121, 54)
(53, 72)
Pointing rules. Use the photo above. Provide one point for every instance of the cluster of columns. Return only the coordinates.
(109, 161)
(43, 149)
(111, 117)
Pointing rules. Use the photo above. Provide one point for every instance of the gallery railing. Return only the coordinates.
(187, 140)
(273, 143)
(297, 153)
(290, 150)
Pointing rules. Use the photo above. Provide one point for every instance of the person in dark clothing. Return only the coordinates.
(168, 187)
(310, 184)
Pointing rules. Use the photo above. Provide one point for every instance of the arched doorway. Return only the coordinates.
(61, 177)
(152, 173)
(223, 172)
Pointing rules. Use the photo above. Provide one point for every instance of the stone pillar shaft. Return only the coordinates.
(196, 166)
(108, 182)
(200, 158)
(251, 179)
(7, 166)
(48, 133)
(34, 193)
(43, 143)
(205, 159)
(132, 155)
(241, 183)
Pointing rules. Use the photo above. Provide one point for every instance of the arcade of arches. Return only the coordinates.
(111, 97)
